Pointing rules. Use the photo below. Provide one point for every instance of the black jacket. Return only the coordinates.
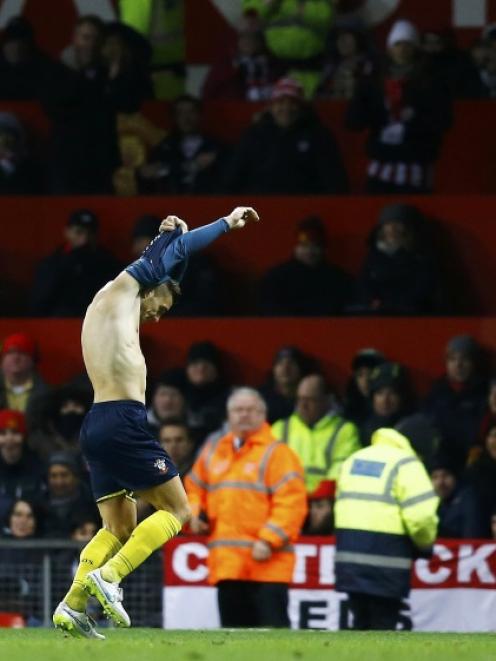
(302, 159)
(459, 516)
(429, 104)
(66, 281)
(294, 289)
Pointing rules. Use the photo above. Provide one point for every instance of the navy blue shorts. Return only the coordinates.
(120, 450)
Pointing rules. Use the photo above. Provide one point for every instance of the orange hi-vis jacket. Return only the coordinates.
(256, 492)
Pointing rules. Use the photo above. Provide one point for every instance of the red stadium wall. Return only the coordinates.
(249, 344)
(464, 235)
(467, 158)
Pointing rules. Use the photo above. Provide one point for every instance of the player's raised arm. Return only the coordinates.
(167, 255)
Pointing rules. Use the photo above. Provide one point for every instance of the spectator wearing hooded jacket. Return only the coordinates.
(286, 151)
(21, 386)
(63, 414)
(203, 386)
(406, 112)
(389, 397)
(67, 280)
(458, 511)
(308, 284)
(357, 398)
(399, 275)
(21, 475)
(457, 400)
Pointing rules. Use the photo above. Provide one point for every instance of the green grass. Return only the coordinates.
(157, 645)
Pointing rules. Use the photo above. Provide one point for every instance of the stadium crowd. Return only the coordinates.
(100, 141)
(44, 482)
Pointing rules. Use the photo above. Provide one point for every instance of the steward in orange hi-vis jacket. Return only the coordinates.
(247, 491)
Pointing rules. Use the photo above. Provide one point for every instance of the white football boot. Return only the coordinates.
(109, 595)
(74, 623)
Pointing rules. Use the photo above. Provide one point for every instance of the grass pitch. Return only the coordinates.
(159, 645)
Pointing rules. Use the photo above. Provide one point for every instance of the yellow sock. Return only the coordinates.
(150, 535)
(96, 552)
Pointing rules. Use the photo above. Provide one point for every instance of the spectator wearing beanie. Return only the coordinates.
(202, 383)
(389, 398)
(286, 151)
(457, 400)
(21, 475)
(458, 512)
(21, 387)
(399, 274)
(406, 112)
(145, 230)
(482, 476)
(357, 398)
(307, 284)
(279, 391)
(67, 280)
(167, 402)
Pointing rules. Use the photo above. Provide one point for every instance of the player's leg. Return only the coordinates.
(173, 511)
(118, 515)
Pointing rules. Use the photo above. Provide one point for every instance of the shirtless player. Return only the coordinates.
(123, 457)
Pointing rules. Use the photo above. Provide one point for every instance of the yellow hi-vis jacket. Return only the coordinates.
(321, 448)
(385, 511)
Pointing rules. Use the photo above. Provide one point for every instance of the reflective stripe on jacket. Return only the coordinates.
(256, 492)
(321, 448)
(385, 507)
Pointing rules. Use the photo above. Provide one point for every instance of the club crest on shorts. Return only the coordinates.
(161, 465)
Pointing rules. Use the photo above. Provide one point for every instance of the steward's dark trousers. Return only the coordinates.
(371, 612)
(253, 604)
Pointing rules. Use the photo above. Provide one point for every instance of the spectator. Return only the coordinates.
(202, 284)
(357, 399)
(399, 275)
(449, 65)
(175, 437)
(389, 399)
(84, 528)
(456, 401)
(320, 519)
(245, 74)
(18, 171)
(23, 522)
(321, 438)
(458, 510)
(167, 402)
(406, 112)
(348, 61)
(279, 391)
(67, 497)
(21, 387)
(61, 421)
(481, 475)
(488, 419)
(187, 160)
(296, 34)
(249, 528)
(430, 444)
(20, 472)
(307, 284)
(67, 280)
(23, 67)
(204, 388)
(286, 151)
(82, 100)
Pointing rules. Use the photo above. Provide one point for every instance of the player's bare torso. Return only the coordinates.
(110, 342)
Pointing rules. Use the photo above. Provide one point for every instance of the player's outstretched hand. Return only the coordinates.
(170, 223)
(241, 216)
